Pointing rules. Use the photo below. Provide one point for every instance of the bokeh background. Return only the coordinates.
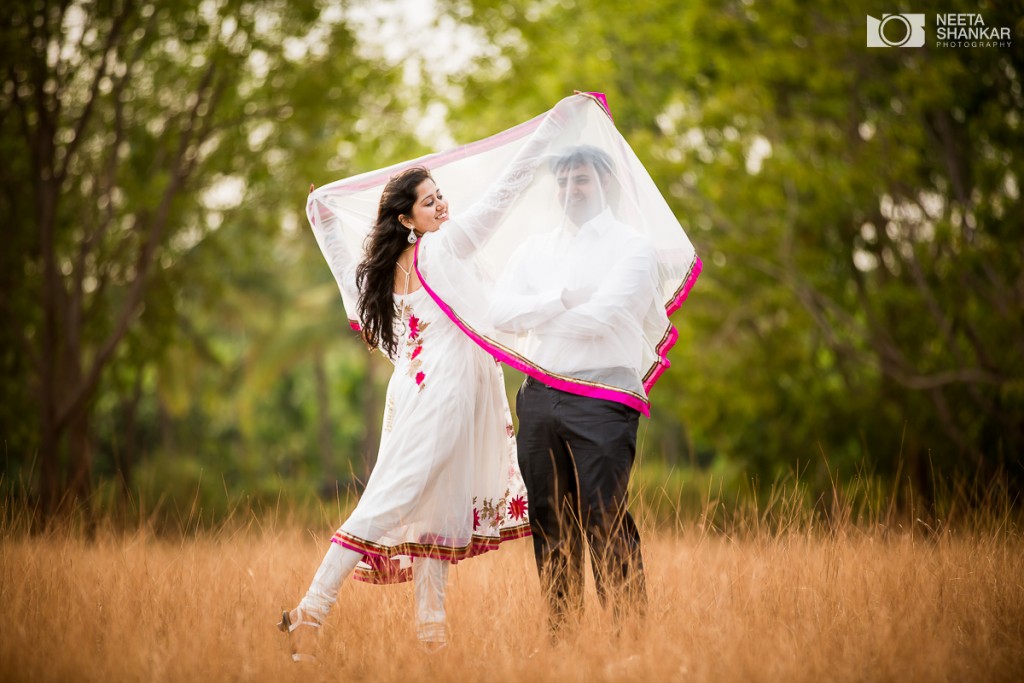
(173, 348)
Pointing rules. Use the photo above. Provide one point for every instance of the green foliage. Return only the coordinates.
(172, 146)
(859, 318)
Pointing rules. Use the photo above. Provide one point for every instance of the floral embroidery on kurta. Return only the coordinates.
(414, 330)
(491, 512)
(517, 508)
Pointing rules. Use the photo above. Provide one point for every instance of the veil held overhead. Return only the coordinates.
(561, 257)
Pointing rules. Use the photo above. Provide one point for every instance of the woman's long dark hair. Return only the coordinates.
(375, 276)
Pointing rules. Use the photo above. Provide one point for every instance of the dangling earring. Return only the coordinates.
(412, 237)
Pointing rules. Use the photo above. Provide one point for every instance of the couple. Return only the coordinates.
(578, 305)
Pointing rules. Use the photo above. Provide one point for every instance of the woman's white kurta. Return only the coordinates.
(446, 483)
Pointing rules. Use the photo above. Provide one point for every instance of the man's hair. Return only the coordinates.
(582, 155)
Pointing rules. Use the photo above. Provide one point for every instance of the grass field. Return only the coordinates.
(798, 604)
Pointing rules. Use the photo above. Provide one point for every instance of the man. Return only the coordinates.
(580, 295)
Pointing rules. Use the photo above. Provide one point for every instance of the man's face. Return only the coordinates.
(581, 192)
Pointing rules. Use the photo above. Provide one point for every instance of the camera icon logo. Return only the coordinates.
(896, 30)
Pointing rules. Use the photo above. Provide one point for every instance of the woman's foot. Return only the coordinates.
(433, 637)
(302, 629)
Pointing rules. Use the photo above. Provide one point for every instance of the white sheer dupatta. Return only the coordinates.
(571, 284)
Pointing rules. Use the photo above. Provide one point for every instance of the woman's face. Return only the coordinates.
(429, 211)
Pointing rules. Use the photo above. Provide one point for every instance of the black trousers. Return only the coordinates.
(575, 454)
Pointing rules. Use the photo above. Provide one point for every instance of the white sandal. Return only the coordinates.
(286, 625)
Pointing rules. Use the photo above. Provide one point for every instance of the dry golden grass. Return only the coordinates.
(790, 606)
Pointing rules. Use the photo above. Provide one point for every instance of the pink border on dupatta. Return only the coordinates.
(601, 99)
(672, 337)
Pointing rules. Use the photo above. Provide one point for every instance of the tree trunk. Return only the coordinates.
(79, 488)
(50, 437)
(126, 450)
(50, 484)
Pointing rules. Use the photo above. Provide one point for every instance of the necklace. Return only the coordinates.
(407, 271)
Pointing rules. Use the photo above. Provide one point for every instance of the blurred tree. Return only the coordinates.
(858, 211)
(149, 149)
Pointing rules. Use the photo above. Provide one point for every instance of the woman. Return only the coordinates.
(446, 485)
